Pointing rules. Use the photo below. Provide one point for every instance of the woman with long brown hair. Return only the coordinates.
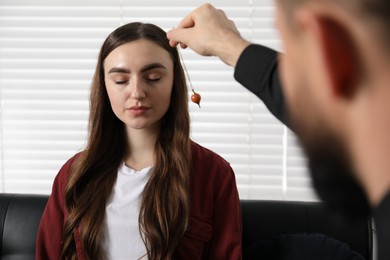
(141, 189)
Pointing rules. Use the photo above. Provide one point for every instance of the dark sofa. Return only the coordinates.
(20, 215)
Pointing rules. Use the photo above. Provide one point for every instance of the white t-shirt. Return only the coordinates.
(122, 236)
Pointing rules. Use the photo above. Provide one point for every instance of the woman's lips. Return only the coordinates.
(138, 110)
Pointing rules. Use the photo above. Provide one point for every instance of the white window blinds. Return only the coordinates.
(48, 52)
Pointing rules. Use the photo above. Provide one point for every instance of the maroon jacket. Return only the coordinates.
(215, 230)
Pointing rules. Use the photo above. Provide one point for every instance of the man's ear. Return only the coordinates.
(338, 53)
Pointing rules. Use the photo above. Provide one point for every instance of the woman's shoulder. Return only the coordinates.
(66, 168)
(202, 152)
(61, 179)
(203, 157)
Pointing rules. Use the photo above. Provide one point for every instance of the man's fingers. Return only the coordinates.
(174, 44)
(187, 21)
(172, 39)
(177, 36)
(221, 12)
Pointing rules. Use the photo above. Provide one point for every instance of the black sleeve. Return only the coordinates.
(381, 217)
(257, 70)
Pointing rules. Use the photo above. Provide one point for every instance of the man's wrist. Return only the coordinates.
(229, 52)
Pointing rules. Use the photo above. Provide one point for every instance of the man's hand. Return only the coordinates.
(208, 31)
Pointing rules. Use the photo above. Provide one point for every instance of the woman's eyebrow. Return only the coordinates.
(144, 69)
(152, 66)
(118, 70)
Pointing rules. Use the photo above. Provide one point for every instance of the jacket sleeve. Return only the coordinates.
(226, 241)
(48, 244)
(257, 70)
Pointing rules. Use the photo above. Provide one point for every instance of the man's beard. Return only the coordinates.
(332, 173)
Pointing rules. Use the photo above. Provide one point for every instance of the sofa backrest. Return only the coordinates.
(19, 220)
(264, 219)
(20, 216)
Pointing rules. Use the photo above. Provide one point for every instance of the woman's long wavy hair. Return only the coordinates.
(165, 204)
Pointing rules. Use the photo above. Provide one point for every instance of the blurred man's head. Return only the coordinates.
(335, 73)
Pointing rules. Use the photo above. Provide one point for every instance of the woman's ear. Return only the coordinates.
(338, 54)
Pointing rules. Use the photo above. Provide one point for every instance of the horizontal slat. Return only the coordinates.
(54, 145)
(19, 135)
(46, 115)
(45, 125)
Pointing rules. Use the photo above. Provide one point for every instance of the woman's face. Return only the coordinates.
(139, 80)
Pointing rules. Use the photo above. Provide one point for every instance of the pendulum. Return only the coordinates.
(195, 97)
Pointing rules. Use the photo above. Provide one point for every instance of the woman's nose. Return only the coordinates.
(137, 91)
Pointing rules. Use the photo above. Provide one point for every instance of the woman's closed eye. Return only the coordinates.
(121, 82)
(120, 79)
(153, 77)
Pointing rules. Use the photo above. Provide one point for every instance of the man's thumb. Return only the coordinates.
(176, 36)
